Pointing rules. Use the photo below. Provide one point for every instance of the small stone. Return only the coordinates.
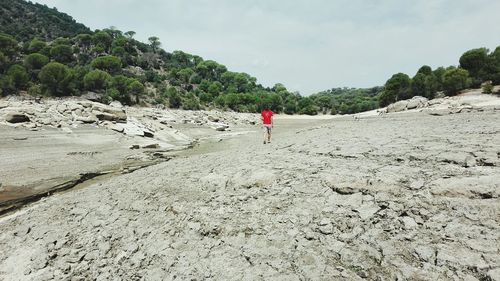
(416, 185)
(409, 223)
(151, 146)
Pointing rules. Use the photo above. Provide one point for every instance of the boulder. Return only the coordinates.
(109, 113)
(86, 119)
(417, 102)
(133, 129)
(16, 117)
(103, 116)
(219, 126)
(397, 106)
(213, 118)
(92, 96)
(117, 128)
(116, 104)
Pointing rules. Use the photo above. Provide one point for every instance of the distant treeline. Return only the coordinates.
(477, 66)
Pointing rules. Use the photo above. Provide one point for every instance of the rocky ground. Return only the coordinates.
(48, 145)
(407, 196)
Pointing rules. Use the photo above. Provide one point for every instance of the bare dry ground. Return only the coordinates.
(406, 196)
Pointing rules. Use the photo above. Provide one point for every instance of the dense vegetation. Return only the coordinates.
(347, 100)
(116, 66)
(44, 52)
(477, 66)
(26, 20)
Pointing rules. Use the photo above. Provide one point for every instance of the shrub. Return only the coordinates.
(487, 87)
(454, 80)
(110, 64)
(6, 85)
(35, 61)
(191, 104)
(62, 53)
(96, 80)
(136, 89)
(174, 99)
(19, 76)
(54, 77)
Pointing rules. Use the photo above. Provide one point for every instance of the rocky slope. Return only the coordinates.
(398, 197)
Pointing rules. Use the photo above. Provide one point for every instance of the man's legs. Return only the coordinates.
(265, 133)
(268, 134)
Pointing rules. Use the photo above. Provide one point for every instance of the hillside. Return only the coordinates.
(26, 20)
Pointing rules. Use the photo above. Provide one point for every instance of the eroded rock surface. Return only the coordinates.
(389, 198)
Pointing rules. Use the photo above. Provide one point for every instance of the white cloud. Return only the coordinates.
(307, 45)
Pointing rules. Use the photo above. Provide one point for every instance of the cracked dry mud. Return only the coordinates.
(403, 197)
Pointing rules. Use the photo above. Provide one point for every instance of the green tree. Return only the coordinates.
(475, 61)
(62, 53)
(215, 88)
(419, 85)
(35, 61)
(3, 62)
(396, 88)
(103, 39)
(204, 84)
(154, 43)
(306, 106)
(206, 98)
(130, 34)
(109, 64)
(36, 46)
(136, 89)
(454, 80)
(174, 99)
(84, 41)
(184, 74)
(8, 45)
(19, 76)
(77, 74)
(53, 77)
(493, 67)
(425, 70)
(290, 106)
(6, 85)
(96, 80)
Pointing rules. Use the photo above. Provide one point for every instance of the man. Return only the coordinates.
(267, 124)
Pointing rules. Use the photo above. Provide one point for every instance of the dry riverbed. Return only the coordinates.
(406, 196)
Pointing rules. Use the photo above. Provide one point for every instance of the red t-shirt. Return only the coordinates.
(266, 115)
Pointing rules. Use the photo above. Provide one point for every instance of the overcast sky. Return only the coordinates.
(308, 45)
